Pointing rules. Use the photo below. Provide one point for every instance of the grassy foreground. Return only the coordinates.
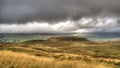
(10, 59)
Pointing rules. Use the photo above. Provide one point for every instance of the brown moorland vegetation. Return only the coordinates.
(10, 59)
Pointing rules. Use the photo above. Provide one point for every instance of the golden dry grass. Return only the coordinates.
(10, 59)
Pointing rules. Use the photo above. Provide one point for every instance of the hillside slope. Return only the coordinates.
(69, 48)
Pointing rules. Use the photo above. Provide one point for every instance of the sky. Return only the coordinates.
(59, 16)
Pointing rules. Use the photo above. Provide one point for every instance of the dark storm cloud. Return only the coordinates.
(22, 11)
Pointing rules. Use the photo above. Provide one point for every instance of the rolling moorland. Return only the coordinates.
(60, 52)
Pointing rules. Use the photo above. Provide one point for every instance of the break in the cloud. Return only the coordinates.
(18, 16)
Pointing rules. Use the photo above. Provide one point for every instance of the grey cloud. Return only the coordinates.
(23, 11)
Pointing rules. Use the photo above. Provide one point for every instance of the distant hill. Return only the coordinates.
(60, 39)
(70, 38)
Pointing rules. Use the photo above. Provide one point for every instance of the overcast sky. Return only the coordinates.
(56, 16)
